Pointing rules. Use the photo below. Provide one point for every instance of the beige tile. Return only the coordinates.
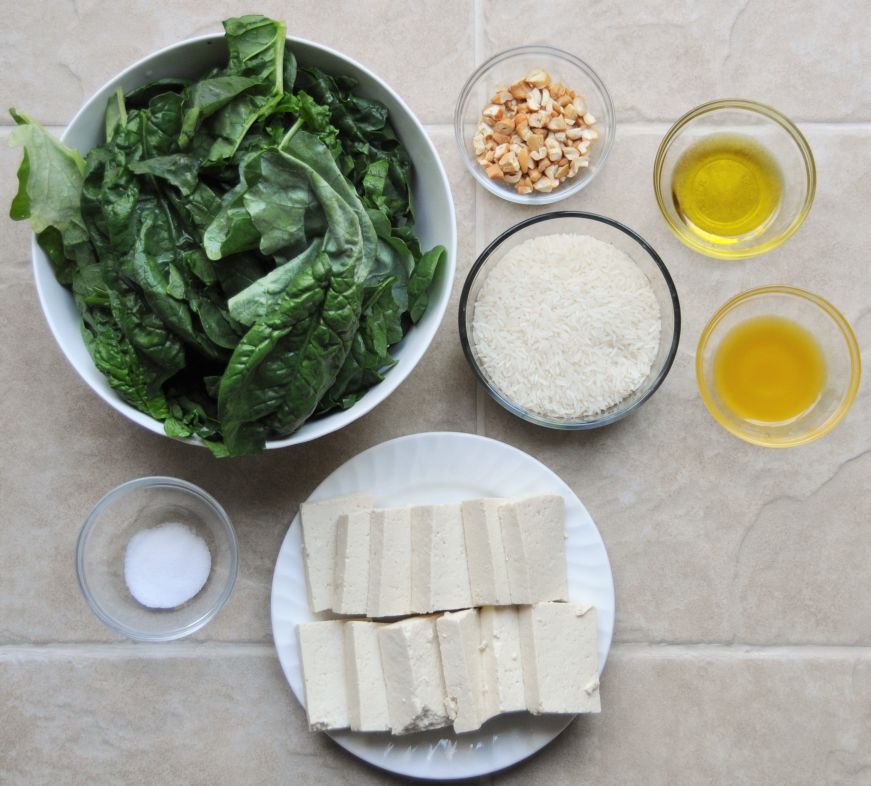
(670, 716)
(691, 718)
(65, 448)
(672, 493)
(423, 50)
(182, 718)
(659, 59)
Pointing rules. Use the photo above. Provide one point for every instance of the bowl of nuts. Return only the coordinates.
(534, 124)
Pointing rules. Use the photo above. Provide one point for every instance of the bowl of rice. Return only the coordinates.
(570, 320)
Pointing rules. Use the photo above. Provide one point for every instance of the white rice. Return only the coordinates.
(566, 326)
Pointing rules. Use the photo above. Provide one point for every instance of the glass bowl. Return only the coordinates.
(609, 231)
(504, 69)
(835, 338)
(768, 128)
(117, 517)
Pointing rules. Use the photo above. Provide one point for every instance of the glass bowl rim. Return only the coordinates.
(763, 110)
(849, 338)
(559, 193)
(148, 482)
(511, 406)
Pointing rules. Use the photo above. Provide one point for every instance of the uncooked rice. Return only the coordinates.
(566, 326)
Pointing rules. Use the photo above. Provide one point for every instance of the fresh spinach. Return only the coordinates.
(241, 247)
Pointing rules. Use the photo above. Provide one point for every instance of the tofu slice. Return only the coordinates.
(501, 661)
(440, 572)
(389, 563)
(319, 525)
(560, 658)
(367, 693)
(413, 675)
(488, 570)
(322, 649)
(460, 648)
(533, 535)
(351, 573)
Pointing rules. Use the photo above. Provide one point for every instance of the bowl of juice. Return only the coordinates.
(734, 178)
(778, 366)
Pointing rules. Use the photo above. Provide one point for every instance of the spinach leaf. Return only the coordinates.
(256, 49)
(49, 194)
(134, 378)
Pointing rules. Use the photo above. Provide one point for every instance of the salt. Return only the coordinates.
(166, 565)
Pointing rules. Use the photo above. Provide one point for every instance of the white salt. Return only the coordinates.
(166, 566)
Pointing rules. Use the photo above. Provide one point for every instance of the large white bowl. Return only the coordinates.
(434, 208)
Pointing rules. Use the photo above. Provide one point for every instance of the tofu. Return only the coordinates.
(322, 651)
(488, 570)
(560, 658)
(389, 563)
(501, 661)
(460, 649)
(413, 675)
(351, 572)
(440, 572)
(319, 525)
(367, 693)
(533, 535)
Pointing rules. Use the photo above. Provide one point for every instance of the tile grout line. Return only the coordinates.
(652, 126)
(478, 52)
(125, 649)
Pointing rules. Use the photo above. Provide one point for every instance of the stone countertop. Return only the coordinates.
(742, 651)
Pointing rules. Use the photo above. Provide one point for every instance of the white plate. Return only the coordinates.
(435, 468)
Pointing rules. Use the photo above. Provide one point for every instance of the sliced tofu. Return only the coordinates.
(440, 572)
(389, 563)
(322, 649)
(351, 573)
(533, 535)
(560, 658)
(460, 648)
(488, 571)
(367, 693)
(319, 525)
(501, 661)
(413, 675)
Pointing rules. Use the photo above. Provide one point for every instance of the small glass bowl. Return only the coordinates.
(836, 340)
(117, 517)
(765, 126)
(609, 231)
(506, 68)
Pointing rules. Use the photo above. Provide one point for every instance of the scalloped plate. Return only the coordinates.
(435, 468)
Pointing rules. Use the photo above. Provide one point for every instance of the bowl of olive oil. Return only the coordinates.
(778, 366)
(734, 179)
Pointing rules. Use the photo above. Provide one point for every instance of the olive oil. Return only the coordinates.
(726, 188)
(769, 370)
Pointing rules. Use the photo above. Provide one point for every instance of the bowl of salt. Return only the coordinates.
(157, 558)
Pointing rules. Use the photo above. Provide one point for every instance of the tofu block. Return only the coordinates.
(460, 648)
(488, 570)
(389, 563)
(319, 525)
(533, 535)
(367, 693)
(351, 573)
(560, 658)
(440, 573)
(501, 661)
(413, 675)
(322, 650)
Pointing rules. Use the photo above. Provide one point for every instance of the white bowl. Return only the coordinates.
(434, 210)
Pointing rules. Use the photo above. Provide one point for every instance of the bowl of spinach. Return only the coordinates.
(243, 241)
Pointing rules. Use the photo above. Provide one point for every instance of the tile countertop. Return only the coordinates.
(742, 651)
